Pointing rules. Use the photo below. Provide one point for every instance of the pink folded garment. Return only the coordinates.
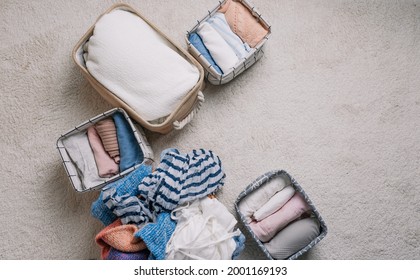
(270, 226)
(108, 133)
(106, 165)
(243, 23)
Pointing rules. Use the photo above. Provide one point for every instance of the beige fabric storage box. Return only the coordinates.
(183, 112)
(253, 56)
(71, 168)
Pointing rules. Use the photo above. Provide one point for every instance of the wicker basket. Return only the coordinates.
(253, 56)
(71, 168)
(259, 182)
(185, 110)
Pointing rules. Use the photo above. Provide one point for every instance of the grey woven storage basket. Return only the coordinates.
(253, 56)
(259, 182)
(71, 168)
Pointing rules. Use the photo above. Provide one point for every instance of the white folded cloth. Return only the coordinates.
(255, 200)
(219, 23)
(275, 203)
(138, 65)
(78, 148)
(222, 53)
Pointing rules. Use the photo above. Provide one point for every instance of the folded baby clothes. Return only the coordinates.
(105, 164)
(137, 64)
(240, 246)
(260, 196)
(275, 203)
(243, 23)
(115, 254)
(270, 226)
(156, 235)
(218, 22)
(221, 52)
(196, 41)
(130, 152)
(120, 237)
(108, 133)
(293, 238)
(78, 148)
(205, 230)
(124, 187)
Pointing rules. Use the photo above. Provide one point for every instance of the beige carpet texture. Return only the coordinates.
(334, 101)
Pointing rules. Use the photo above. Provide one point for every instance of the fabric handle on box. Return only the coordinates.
(180, 124)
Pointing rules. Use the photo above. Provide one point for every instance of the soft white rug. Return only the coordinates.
(335, 101)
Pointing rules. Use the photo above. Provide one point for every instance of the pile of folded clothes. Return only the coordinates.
(226, 38)
(170, 213)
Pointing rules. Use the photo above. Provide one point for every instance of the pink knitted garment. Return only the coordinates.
(270, 226)
(106, 165)
(108, 133)
(120, 237)
(243, 23)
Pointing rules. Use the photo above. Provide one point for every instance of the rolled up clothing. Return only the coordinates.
(270, 226)
(120, 237)
(276, 202)
(108, 133)
(221, 52)
(81, 154)
(130, 152)
(293, 238)
(105, 164)
(196, 41)
(218, 22)
(243, 23)
(253, 201)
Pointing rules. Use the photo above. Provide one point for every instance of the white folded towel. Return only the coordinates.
(138, 65)
(275, 203)
(219, 23)
(260, 196)
(222, 53)
(81, 154)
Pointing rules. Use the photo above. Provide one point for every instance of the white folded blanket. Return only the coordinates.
(222, 53)
(260, 196)
(138, 65)
(276, 202)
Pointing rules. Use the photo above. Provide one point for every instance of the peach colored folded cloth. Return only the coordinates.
(106, 165)
(270, 226)
(120, 237)
(108, 133)
(243, 23)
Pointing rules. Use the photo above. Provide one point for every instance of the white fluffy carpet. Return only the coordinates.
(335, 101)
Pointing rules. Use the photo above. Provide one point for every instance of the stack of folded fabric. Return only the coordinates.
(103, 150)
(280, 218)
(170, 212)
(228, 36)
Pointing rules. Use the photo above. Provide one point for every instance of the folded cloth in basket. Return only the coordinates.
(270, 226)
(108, 133)
(255, 200)
(137, 64)
(196, 41)
(275, 203)
(243, 23)
(81, 154)
(293, 238)
(219, 49)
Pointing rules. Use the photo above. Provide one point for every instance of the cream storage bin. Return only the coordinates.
(185, 109)
(289, 181)
(71, 168)
(253, 55)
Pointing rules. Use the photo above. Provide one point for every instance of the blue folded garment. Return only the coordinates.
(126, 186)
(240, 246)
(130, 152)
(196, 41)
